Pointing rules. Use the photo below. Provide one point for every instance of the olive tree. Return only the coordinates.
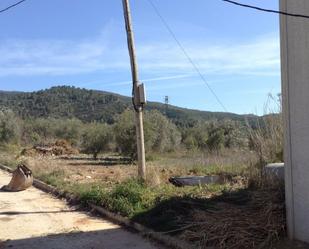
(10, 127)
(41, 130)
(125, 134)
(96, 138)
(196, 137)
(69, 129)
(214, 135)
(160, 133)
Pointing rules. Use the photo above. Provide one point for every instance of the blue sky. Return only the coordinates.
(83, 43)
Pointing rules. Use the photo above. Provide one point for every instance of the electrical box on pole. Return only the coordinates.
(142, 94)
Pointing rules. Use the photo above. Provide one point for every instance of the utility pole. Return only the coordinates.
(138, 93)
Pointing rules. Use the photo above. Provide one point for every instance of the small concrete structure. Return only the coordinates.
(295, 96)
(275, 170)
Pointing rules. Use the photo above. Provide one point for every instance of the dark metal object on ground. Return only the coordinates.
(195, 180)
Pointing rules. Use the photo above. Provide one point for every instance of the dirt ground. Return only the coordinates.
(107, 170)
(111, 168)
(83, 169)
(32, 219)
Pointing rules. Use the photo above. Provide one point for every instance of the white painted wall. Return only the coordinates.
(295, 90)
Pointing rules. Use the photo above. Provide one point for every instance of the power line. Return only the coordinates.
(266, 10)
(11, 6)
(186, 54)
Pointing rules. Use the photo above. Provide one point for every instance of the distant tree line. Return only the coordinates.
(161, 134)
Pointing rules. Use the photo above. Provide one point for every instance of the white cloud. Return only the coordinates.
(260, 57)
(37, 57)
(129, 82)
(61, 57)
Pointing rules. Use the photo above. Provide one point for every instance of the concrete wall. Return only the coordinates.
(295, 90)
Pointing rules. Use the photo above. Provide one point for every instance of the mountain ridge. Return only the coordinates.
(96, 105)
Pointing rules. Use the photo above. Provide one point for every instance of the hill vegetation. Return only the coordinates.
(93, 105)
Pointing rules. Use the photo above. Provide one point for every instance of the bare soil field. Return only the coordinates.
(111, 169)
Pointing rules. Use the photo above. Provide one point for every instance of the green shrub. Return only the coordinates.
(54, 178)
(129, 198)
(93, 193)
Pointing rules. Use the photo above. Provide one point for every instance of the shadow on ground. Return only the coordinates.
(102, 161)
(11, 213)
(172, 214)
(99, 163)
(110, 159)
(102, 239)
(287, 244)
(245, 218)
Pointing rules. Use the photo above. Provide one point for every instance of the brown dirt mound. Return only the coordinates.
(60, 147)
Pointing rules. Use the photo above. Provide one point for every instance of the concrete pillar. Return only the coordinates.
(295, 93)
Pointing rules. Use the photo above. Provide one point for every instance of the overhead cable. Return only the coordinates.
(12, 6)
(198, 71)
(267, 10)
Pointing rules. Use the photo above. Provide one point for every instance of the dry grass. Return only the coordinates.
(267, 140)
(112, 169)
(204, 163)
(70, 174)
(257, 223)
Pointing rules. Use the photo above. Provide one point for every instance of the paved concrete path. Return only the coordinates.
(32, 219)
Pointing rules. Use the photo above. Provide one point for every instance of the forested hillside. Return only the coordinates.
(90, 105)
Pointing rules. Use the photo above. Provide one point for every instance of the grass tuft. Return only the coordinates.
(129, 198)
(54, 178)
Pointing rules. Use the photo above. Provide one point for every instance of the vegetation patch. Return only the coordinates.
(54, 178)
